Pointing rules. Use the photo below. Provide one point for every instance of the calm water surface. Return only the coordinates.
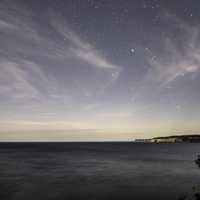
(97, 171)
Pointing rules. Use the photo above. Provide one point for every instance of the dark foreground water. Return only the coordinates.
(97, 171)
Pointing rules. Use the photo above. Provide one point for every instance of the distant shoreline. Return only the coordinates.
(172, 139)
(166, 139)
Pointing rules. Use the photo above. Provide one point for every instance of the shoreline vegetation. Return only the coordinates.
(172, 139)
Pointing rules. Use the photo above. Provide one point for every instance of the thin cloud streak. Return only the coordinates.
(22, 69)
(182, 60)
(15, 81)
(18, 80)
(85, 51)
(178, 61)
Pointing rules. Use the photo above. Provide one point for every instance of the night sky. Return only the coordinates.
(99, 69)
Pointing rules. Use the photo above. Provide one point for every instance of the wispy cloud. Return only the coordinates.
(178, 60)
(16, 81)
(85, 51)
(182, 57)
(25, 80)
(28, 52)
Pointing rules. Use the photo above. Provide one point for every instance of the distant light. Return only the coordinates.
(132, 50)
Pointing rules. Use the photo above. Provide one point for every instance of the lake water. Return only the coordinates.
(97, 171)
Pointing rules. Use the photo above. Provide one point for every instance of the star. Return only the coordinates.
(132, 50)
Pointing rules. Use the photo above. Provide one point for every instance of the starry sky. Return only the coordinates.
(98, 70)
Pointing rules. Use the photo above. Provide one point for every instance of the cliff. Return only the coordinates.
(177, 138)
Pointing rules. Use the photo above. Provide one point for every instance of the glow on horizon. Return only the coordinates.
(66, 78)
